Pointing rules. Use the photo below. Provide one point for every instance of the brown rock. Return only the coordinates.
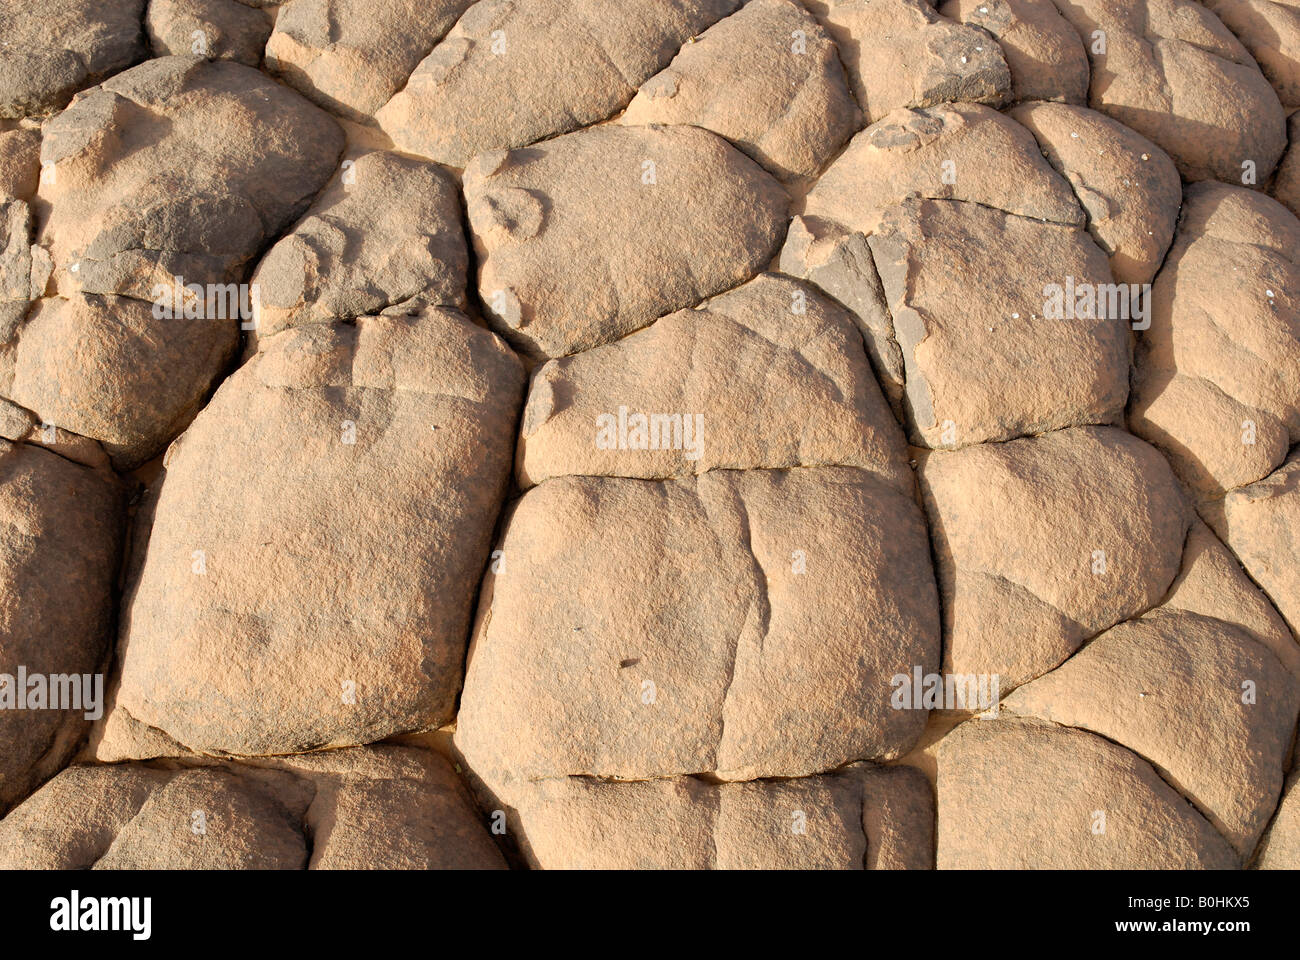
(1213, 584)
(1128, 186)
(1210, 708)
(1043, 52)
(900, 53)
(777, 378)
(1280, 848)
(315, 607)
(315, 813)
(60, 533)
(1259, 523)
(20, 163)
(1270, 30)
(585, 238)
(992, 365)
(1043, 542)
(1174, 73)
(1217, 379)
(218, 29)
(1016, 795)
(110, 368)
(385, 235)
(53, 48)
(512, 72)
(877, 817)
(1286, 186)
(742, 623)
(351, 56)
(767, 78)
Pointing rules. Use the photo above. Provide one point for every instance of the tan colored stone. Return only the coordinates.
(1217, 379)
(512, 72)
(746, 624)
(589, 236)
(1174, 73)
(1210, 708)
(317, 539)
(218, 29)
(1016, 795)
(53, 48)
(1259, 523)
(60, 535)
(900, 53)
(775, 377)
(1280, 848)
(1212, 583)
(967, 291)
(384, 807)
(1270, 30)
(351, 56)
(1286, 186)
(384, 236)
(876, 817)
(1046, 58)
(1016, 529)
(20, 163)
(1128, 186)
(767, 78)
(178, 167)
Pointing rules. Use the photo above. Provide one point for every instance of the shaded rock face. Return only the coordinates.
(53, 48)
(1173, 72)
(316, 813)
(1223, 302)
(512, 72)
(60, 531)
(347, 56)
(290, 581)
(672, 434)
(863, 818)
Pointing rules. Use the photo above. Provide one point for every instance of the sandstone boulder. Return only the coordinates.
(1173, 72)
(863, 817)
(20, 162)
(1217, 379)
(745, 624)
(219, 29)
(390, 808)
(385, 235)
(1259, 522)
(1270, 30)
(512, 72)
(995, 365)
(590, 236)
(60, 534)
(110, 368)
(1016, 795)
(1210, 708)
(1043, 542)
(1046, 58)
(321, 589)
(1128, 186)
(53, 48)
(767, 78)
(900, 53)
(351, 56)
(178, 167)
(1280, 848)
(1286, 186)
(775, 377)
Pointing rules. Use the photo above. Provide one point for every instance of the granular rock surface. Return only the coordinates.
(665, 434)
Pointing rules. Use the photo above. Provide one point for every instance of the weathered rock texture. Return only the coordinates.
(691, 434)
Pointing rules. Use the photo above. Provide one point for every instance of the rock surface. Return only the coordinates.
(306, 623)
(585, 238)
